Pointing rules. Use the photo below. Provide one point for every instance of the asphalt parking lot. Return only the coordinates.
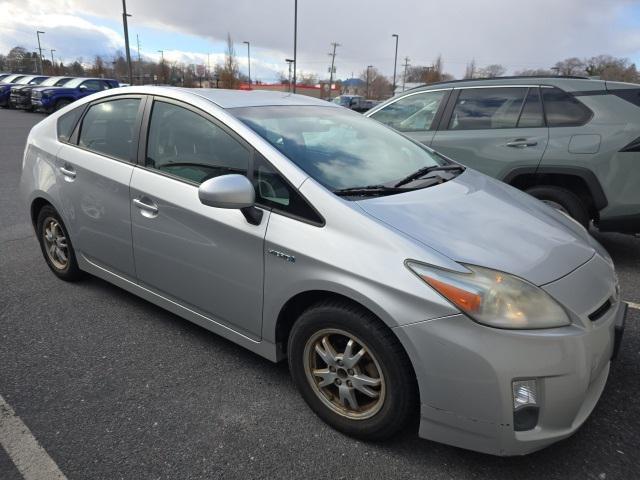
(113, 387)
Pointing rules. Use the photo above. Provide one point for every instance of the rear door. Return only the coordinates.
(94, 167)
(494, 129)
(415, 114)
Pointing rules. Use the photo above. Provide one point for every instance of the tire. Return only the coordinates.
(50, 237)
(563, 200)
(61, 104)
(384, 362)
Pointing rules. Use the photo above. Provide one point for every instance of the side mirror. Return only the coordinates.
(231, 191)
(82, 87)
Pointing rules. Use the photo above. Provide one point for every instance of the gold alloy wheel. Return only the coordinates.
(55, 243)
(350, 382)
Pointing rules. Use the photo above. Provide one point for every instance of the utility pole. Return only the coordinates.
(139, 60)
(289, 62)
(333, 60)
(404, 77)
(38, 32)
(53, 64)
(395, 63)
(368, 68)
(249, 60)
(295, 44)
(126, 39)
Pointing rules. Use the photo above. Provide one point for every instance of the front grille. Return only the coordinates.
(600, 311)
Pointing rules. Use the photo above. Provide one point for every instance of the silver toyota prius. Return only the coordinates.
(400, 285)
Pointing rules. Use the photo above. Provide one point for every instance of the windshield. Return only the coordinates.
(24, 80)
(11, 78)
(75, 82)
(337, 147)
(54, 81)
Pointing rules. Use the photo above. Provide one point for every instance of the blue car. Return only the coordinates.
(21, 94)
(8, 82)
(50, 99)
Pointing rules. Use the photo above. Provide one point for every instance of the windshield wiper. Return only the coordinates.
(424, 170)
(368, 190)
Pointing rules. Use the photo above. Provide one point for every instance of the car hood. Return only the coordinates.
(477, 220)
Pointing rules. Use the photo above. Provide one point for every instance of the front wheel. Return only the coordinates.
(61, 104)
(352, 371)
(563, 200)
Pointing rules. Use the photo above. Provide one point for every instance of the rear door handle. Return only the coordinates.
(522, 143)
(146, 207)
(68, 172)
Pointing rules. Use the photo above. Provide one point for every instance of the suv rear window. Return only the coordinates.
(487, 108)
(563, 110)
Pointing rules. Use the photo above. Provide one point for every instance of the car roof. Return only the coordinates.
(250, 98)
(570, 83)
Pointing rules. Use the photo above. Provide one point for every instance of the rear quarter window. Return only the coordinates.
(564, 110)
(66, 124)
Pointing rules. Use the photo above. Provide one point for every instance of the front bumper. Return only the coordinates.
(465, 371)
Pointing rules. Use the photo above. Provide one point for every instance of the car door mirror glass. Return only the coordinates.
(227, 191)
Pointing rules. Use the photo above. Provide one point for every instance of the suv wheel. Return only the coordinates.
(563, 200)
(352, 371)
(61, 104)
(56, 245)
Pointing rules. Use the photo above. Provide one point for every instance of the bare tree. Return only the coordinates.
(379, 85)
(470, 70)
(570, 66)
(533, 72)
(230, 72)
(608, 67)
(492, 71)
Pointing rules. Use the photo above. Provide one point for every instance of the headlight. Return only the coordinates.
(495, 298)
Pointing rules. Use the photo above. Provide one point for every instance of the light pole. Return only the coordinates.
(162, 65)
(395, 64)
(38, 32)
(368, 68)
(53, 64)
(249, 59)
(126, 39)
(289, 62)
(295, 44)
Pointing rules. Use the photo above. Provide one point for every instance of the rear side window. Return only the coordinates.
(411, 113)
(487, 108)
(66, 124)
(93, 85)
(563, 110)
(110, 128)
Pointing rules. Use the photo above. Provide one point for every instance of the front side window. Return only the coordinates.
(411, 113)
(337, 147)
(187, 145)
(487, 108)
(563, 110)
(109, 128)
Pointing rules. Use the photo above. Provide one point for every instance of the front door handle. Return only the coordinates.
(151, 209)
(68, 172)
(522, 143)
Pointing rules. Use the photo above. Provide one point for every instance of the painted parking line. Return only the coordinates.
(31, 460)
(634, 305)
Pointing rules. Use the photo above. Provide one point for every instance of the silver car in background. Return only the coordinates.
(401, 286)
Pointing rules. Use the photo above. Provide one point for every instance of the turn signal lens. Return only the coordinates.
(494, 298)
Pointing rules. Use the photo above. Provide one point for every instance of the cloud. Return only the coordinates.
(515, 33)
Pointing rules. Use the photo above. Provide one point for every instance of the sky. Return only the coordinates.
(518, 34)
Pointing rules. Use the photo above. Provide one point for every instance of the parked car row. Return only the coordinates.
(48, 94)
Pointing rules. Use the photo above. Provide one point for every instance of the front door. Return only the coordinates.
(207, 259)
(494, 129)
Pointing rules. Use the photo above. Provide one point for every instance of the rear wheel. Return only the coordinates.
(56, 245)
(61, 104)
(563, 200)
(352, 371)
